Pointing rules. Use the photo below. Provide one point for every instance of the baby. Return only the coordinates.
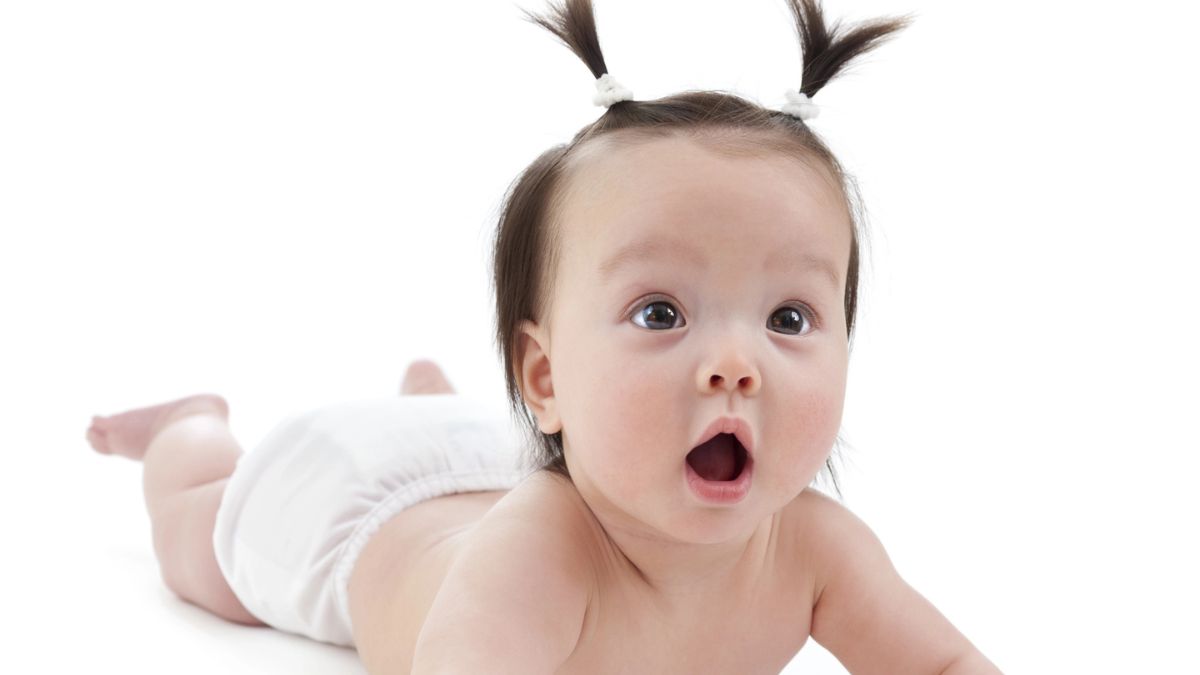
(676, 291)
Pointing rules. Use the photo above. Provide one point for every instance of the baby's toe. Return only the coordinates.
(98, 440)
(425, 377)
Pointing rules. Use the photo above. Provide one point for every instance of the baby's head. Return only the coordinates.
(678, 261)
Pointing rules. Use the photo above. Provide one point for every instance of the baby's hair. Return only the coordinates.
(526, 246)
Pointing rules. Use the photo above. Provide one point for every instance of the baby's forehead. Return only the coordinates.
(675, 187)
(651, 174)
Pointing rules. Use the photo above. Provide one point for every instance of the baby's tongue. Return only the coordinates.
(715, 459)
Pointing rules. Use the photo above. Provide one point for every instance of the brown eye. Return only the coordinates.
(792, 318)
(656, 312)
(657, 315)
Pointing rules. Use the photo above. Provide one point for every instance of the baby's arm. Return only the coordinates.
(512, 602)
(867, 616)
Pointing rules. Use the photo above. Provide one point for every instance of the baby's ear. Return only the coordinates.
(533, 376)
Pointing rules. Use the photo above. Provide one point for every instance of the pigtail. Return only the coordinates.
(575, 25)
(826, 52)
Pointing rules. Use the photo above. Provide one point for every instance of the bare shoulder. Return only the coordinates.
(864, 613)
(820, 526)
(547, 509)
(541, 525)
(515, 597)
(548, 505)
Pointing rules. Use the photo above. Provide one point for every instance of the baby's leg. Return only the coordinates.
(188, 453)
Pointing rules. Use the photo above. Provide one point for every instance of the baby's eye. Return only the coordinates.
(792, 315)
(662, 313)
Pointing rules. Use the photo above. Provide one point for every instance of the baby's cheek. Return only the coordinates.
(636, 426)
(639, 420)
(808, 429)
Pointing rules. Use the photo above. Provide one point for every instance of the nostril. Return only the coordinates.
(744, 381)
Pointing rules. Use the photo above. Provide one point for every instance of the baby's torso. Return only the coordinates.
(753, 628)
(759, 631)
(753, 634)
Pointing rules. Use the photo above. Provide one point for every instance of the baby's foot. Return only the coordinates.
(425, 377)
(129, 433)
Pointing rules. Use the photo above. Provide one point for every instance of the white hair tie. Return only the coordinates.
(800, 105)
(609, 91)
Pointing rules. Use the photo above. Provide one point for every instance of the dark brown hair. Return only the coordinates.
(525, 249)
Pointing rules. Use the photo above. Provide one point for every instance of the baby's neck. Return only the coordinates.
(684, 574)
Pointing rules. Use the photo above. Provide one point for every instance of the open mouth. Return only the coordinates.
(720, 459)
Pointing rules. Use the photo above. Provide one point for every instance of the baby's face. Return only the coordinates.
(734, 307)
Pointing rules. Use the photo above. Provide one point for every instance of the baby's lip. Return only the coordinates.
(737, 426)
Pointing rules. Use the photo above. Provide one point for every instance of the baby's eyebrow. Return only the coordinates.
(650, 248)
(654, 249)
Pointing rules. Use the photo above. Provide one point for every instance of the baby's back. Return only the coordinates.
(400, 571)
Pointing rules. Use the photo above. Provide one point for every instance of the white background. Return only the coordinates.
(286, 203)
